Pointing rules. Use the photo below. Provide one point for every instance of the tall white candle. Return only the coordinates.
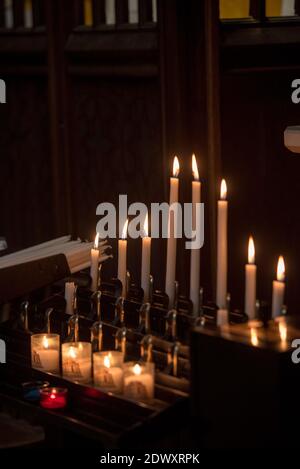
(146, 261)
(122, 258)
(95, 264)
(172, 241)
(222, 247)
(69, 297)
(195, 253)
(110, 11)
(133, 11)
(278, 289)
(250, 291)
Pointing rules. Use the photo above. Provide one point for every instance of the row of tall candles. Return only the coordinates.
(107, 369)
(222, 249)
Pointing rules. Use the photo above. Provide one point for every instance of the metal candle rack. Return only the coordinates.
(143, 331)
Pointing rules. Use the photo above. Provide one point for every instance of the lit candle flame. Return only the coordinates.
(52, 396)
(280, 270)
(195, 168)
(72, 352)
(96, 243)
(282, 331)
(124, 232)
(45, 342)
(137, 369)
(146, 226)
(106, 361)
(176, 167)
(223, 190)
(254, 338)
(251, 251)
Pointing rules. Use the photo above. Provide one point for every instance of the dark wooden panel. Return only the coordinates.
(99, 12)
(26, 181)
(1, 13)
(121, 11)
(116, 150)
(258, 9)
(18, 9)
(38, 10)
(145, 11)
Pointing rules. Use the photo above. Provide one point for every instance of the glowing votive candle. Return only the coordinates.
(77, 361)
(45, 352)
(108, 370)
(139, 380)
(54, 398)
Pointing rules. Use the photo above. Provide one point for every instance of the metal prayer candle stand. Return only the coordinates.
(103, 318)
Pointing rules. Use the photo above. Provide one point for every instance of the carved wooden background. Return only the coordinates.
(96, 111)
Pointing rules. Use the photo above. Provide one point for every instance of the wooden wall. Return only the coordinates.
(94, 112)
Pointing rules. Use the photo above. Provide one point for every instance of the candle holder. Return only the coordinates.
(144, 318)
(139, 380)
(151, 288)
(173, 353)
(77, 361)
(73, 329)
(171, 324)
(97, 295)
(53, 398)
(31, 390)
(108, 370)
(99, 277)
(97, 336)
(45, 352)
(48, 320)
(120, 340)
(119, 312)
(176, 294)
(25, 316)
(146, 348)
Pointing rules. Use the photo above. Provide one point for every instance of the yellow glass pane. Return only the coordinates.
(88, 12)
(234, 9)
(273, 7)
